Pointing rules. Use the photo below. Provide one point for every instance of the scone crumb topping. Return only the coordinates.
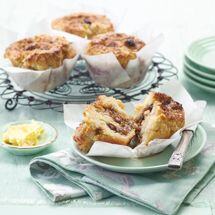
(123, 46)
(84, 24)
(40, 52)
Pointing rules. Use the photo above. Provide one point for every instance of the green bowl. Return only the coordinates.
(157, 162)
(201, 54)
(47, 138)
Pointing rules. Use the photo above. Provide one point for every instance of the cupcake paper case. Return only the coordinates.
(41, 81)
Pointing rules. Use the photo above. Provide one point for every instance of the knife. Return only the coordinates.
(177, 158)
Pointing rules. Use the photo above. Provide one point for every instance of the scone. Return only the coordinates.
(83, 24)
(104, 120)
(123, 46)
(40, 52)
(159, 117)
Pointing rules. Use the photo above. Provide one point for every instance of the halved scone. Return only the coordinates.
(104, 120)
(158, 117)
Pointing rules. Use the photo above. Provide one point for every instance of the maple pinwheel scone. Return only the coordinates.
(124, 47)
(86, 25)
(158, 117)
(104, 120)
(40, 52)
(41, 63)
(117, 59)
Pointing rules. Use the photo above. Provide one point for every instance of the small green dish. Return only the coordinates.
(198, 84)
(204, 81)
(157, 162)
(201, 53)
(47, 138)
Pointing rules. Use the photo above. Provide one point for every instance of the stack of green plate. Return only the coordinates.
(199, 64)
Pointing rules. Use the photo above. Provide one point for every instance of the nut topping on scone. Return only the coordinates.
(124, 47)
(40, 52)
(159, 117)
(84, 24)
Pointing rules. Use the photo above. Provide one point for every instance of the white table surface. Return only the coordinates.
(181, 21)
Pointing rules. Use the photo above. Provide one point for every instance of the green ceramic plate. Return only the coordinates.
(197, 71)
(204, 81)
(153, 163)
(46, 139)
(202, 54)
(198, 84)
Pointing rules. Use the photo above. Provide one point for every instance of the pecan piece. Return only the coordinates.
(130, 43)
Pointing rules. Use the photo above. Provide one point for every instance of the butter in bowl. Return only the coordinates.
(27, 137)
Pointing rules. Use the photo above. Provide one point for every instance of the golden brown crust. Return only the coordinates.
(124, 47)
(83, 24)
(104, 120)
(159, 117)
(40, 52)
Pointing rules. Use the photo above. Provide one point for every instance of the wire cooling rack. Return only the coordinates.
(81, 89)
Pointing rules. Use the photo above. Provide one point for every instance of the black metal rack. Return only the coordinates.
(80, 88)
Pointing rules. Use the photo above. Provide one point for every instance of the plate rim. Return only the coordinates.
(199, 85)
(203, 81)
(187, 53)
(199, 72)
(139, 169)
(204, 71)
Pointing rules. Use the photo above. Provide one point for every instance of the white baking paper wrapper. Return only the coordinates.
(32, 80)
(193, 115)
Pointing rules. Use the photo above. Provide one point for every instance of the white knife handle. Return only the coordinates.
(177, 158)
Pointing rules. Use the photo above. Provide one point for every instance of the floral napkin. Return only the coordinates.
(63, 175)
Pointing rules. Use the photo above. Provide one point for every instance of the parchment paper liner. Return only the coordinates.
(41, 81)
(193, 115)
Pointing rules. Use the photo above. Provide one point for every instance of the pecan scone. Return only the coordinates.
(123, 46)
(158, 117)
(40, 52)
(104, 120)
(83, 24)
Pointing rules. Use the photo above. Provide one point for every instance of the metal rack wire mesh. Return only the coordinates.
(80, 88)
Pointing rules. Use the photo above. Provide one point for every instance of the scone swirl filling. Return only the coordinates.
(121, 125)
(146, 111)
